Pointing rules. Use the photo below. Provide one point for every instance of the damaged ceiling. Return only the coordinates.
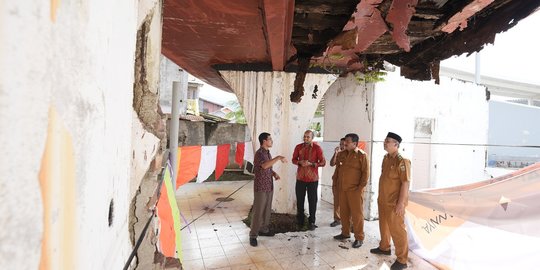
(338, 36)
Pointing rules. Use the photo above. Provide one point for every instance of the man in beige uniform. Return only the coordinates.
(393, 197)
(352, 170)
(335, 184)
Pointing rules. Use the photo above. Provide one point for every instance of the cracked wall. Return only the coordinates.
(80, 64)
(148, 134)
(147, 64)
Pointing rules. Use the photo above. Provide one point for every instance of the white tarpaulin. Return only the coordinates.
(248, 154)
(208, 163)
(493, 224)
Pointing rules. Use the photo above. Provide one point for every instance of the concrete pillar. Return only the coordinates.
(348, 109)
(264, 97)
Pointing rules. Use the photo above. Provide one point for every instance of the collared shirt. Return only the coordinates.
(312, 153)
(263, 177)
(395, 171)
(352, 170)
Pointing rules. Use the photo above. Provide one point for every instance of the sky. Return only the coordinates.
(514, 56)
(211, 93)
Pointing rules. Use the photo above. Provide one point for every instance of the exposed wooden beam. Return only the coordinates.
(278, 25)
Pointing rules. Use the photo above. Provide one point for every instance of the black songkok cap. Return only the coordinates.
(394, 136)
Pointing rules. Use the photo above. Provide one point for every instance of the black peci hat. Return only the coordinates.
(394, 136)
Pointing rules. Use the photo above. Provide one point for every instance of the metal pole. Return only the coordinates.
(370, 155)
(173, 131)
(477, 68)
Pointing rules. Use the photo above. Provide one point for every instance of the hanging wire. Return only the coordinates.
(165, 166)
(457, 144)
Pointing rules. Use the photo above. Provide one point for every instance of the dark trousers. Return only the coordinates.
(301, 189)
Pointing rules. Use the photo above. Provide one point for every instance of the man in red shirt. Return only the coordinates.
(309, 157)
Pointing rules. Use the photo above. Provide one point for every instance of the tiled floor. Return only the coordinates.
(218, 239)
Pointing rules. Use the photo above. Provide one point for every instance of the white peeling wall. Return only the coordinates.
(460, 111)
(345, 112)
(24, 102)
(76, 57)
(145, 146)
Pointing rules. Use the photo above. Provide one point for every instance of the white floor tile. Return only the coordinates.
(210, 252)
(281, 253)
(311, 260)
(292, 263)
(228, 240)
(260, 255)
(191, 254)
(216, 262)
(330, 256)
(239, 259)
(193, 265)
(209, 242)
(191, 244)
(268, 265)
(221, 239)
(233, 249)
(244, 267)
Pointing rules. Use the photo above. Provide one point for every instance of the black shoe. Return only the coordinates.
(380, 251)
(312, 226)
(268, 233)
(335, 223)
(341, 237)
(253, 242)
(398, 266)
(300, 221)
(357, 243)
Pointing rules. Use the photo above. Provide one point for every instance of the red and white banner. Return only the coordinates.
(200, 161)
(208, 163)
(239, 155)
(222, 159)
(189, 159)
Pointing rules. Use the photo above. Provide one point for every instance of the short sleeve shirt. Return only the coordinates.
(263, 177)
(352, 170)
(395, 171)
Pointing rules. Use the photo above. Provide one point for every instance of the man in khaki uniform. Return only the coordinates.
(352, 170)
(335, 184)
(393, 197)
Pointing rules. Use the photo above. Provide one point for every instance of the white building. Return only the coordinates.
(514, 113)
(433, 120)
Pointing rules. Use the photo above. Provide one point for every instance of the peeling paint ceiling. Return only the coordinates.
(339, 36)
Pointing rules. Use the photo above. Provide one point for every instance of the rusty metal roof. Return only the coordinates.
(204, 36)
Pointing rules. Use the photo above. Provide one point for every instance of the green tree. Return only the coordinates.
(236, 114)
